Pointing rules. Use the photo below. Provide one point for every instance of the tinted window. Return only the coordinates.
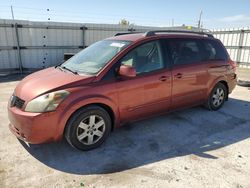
(184, 51)
(145, 58)
(213, 50)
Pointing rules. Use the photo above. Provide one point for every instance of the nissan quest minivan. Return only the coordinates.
(121, 79)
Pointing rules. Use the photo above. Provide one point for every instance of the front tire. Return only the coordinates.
(88, 128)
(217, 97)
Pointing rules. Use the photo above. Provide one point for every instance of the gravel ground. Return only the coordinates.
(189, 148)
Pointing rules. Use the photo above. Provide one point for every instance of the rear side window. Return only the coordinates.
(184, 51)
(213, 50)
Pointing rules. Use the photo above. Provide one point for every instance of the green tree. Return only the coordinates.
(124, 22)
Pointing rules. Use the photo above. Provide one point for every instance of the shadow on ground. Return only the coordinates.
(12, 77)
(193, 131)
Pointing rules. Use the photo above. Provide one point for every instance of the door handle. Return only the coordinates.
(163, 78)
(179, 75)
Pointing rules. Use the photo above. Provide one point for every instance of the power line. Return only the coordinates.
(77, 13)
(91, 13)
(56, 15)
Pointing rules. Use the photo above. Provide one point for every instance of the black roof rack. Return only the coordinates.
(152, 33)
(126, 33)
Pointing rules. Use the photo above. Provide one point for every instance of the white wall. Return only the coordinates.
(237, 42)
(46, 46)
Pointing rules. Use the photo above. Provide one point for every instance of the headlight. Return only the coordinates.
(47, 102)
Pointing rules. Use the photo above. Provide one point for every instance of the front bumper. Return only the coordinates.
(34, 128)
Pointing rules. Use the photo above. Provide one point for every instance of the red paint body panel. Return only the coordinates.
(47, 80)
(142, 96)
(129, 98)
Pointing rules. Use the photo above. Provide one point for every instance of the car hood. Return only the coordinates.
(50, 79)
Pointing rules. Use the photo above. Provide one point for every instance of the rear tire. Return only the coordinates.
(88, 128)
(217, 97)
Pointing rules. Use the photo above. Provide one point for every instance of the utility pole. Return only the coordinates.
(172, 22)
(199, 21)
(12, 12)
(17, 41)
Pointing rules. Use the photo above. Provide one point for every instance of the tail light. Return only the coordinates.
(233, 64)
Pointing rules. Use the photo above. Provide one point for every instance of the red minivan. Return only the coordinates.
(118, 80)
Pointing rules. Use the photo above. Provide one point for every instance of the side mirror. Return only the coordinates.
(127, 71)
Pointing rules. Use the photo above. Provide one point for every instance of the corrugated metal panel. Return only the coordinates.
(35, 58)
(66, 38)
(8, 58)
(237, 42)
(44, 43)
(7, 36)
(96, 32)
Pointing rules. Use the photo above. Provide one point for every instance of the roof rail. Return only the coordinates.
(152, 33)
(126, 33)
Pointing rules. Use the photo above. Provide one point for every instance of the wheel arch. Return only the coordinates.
(82, 102)
(208, 102)
(219, 80)
(102, 105)
(226, 85)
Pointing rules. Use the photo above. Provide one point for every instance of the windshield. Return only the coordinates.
(93, 58)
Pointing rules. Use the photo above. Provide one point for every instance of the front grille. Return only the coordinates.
(17, 102)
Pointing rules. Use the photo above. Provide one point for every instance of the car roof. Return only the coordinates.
(141, 36)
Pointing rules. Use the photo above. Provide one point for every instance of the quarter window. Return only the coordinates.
(214, 51)
(145, 58)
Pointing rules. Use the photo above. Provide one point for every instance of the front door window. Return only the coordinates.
(145, 58)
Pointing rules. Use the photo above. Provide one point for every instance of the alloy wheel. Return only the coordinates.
(90, 129)
(218, 97)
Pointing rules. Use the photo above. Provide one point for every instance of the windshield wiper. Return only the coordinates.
(63, 67)
(58, 67)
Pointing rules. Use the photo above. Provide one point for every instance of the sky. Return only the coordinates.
(215, 13)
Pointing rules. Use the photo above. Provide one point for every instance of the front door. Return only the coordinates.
(150, 91)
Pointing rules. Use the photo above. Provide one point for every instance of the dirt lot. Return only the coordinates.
(193, 147)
